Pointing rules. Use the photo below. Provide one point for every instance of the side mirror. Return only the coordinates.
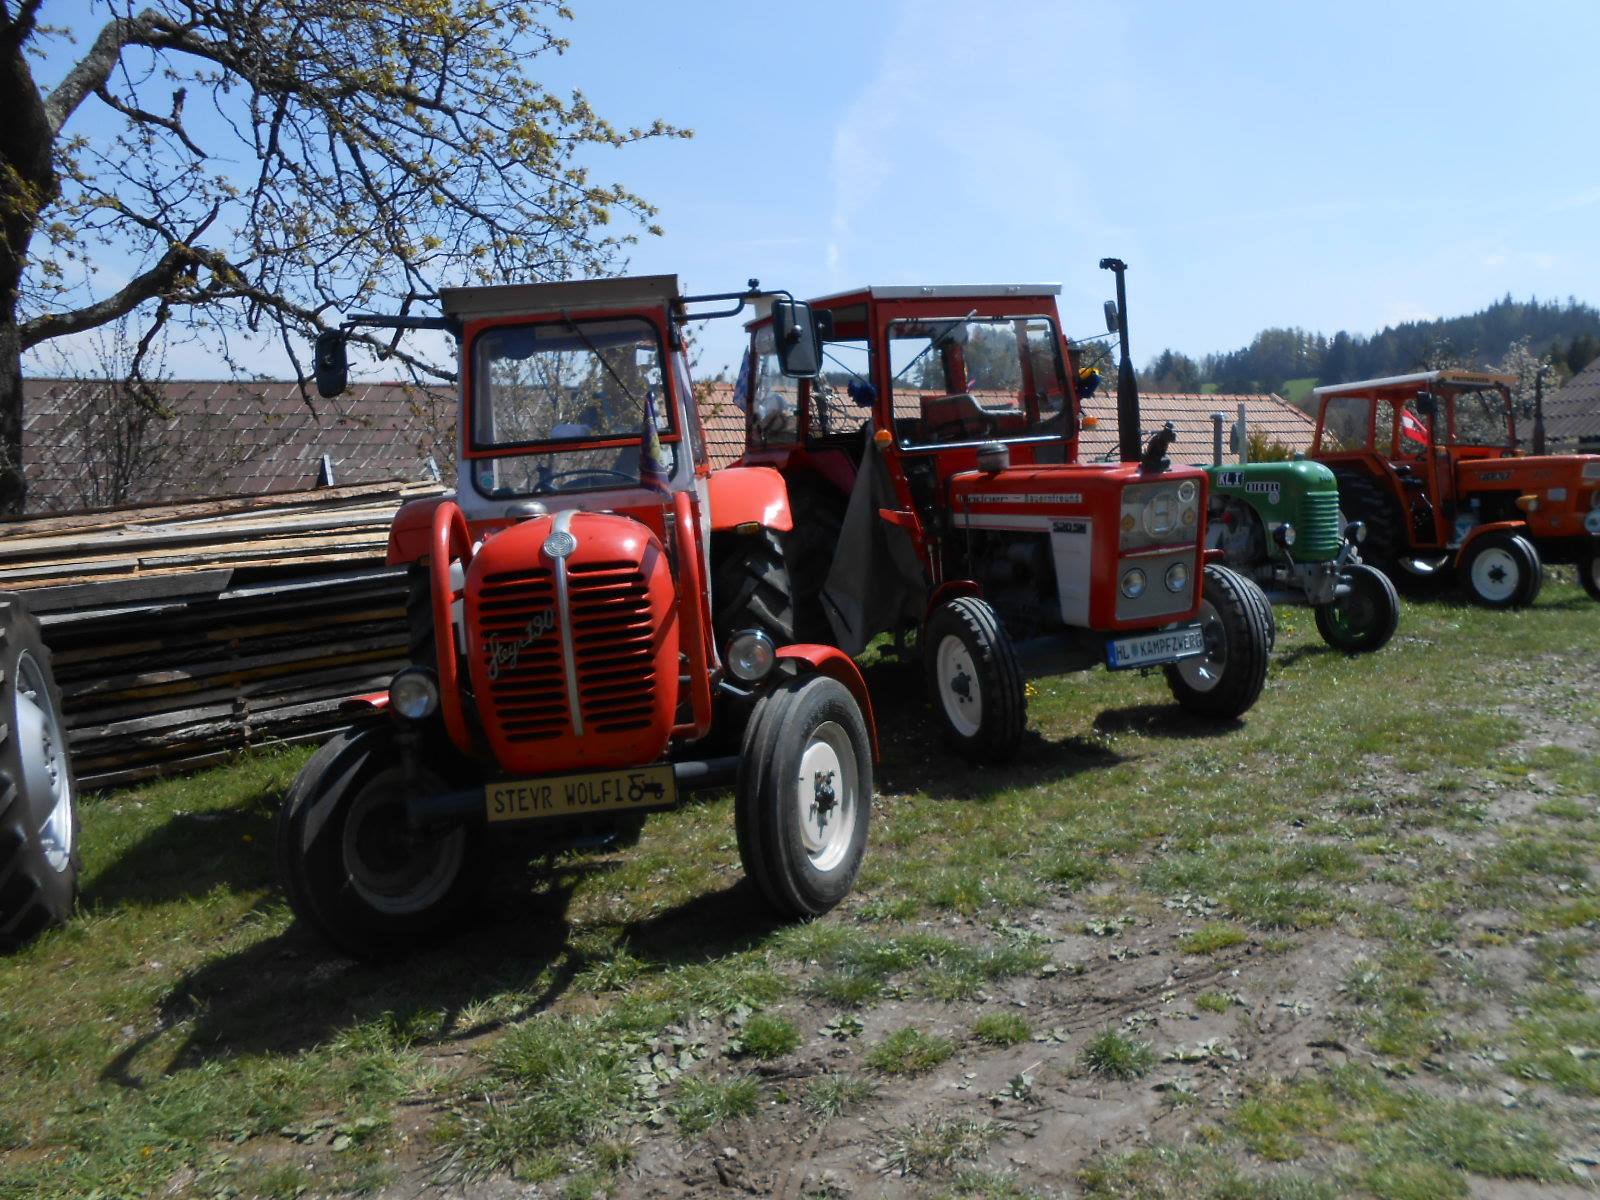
(795, 337)
(332, 365)
(1427, 406)
(1113, 317)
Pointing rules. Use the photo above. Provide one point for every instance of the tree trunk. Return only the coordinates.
(13, 488)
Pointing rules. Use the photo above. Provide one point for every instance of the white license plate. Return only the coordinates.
(576, 795)
(1149, 649)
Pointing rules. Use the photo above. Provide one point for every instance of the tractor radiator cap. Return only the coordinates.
(994, 456)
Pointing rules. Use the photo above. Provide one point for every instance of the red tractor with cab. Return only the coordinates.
(933, 472)
(1430, 462)
(598, 620)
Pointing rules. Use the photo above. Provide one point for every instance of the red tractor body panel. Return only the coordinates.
(749, 495)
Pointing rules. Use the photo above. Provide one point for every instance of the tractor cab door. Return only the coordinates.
(1416, 455)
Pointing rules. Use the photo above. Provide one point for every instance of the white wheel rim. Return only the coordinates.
(1423, 567)
(1496, 574)
(826, 790)
(958, 686)
(376, 864)
(43, 748)
(1204, 671)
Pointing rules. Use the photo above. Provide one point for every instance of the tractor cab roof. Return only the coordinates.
(529, 299)
(1446, 379)
(957, 291)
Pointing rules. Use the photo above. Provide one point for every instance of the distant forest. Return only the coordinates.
(1504, 335)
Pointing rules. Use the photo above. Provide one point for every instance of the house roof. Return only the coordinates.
(1572, 412)
(1190, 414)
(210, 438)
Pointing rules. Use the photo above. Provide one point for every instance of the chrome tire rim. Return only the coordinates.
(958, 686)
(1204, 672)
(46, 782)
(826, 793)
(393, 871)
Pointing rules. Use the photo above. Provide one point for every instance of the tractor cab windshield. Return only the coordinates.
(565, 406)
(1481, 417)
(972, 379)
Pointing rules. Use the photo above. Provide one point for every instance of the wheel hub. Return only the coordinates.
(959, 692)
(46, 784)
(827, 796)
(1204, 671)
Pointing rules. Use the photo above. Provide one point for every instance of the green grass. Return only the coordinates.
(932, 1144)
(910, 1051)
(1116, 1056)
(181, 1025)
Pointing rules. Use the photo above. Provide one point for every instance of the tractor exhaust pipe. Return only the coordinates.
(1128, 439)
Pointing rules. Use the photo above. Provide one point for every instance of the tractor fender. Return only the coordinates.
(836, 664)
(1488, 528)
(411, 534)
(949, 590)
(366, 705)
(749, 496)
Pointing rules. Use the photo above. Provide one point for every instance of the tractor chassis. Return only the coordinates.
(1311, 583)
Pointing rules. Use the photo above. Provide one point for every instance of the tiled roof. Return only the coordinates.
(1190, 414)
(1572, 412)
(223, 439)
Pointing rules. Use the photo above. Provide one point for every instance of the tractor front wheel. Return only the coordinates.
(974, 680)
(350, 863)
(1497, 571)
(805, 795)
(1589, 573)
(1236, 618)
(39, 860)
(1365, 617)
(1535, 585)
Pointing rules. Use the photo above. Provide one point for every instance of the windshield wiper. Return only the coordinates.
(934, 343)
(584, 338)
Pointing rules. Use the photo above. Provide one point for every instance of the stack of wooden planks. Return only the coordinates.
(182, 633)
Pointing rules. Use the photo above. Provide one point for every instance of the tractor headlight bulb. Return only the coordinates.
(751, 655)
(1133, 583)
(1177, 577)
(1285, 534)
(413, 694)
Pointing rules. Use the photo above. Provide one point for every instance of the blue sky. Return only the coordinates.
(1327, 166)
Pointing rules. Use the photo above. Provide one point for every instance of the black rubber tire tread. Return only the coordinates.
(750, 587)
(1362, 499)
(1247, 624)
(764, 814)
(1535, 584)
(1000, 681)
(420, 643)
(1589, 574)
(307, 844)
(1519, 548)
(33, 896)
(1385, 602)
(818, 513)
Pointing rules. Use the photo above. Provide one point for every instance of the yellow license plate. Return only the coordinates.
(576, 795)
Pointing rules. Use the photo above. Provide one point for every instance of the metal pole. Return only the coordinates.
(1217, 421)
(1128, 434)
(1244, 434)
(1538, 410)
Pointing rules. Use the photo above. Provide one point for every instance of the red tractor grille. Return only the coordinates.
(614, 645)
(528, 694)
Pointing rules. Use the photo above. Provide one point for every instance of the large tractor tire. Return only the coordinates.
(352, 868)
(809, 549)
(1238, 624)
(804, 795)
(420, 642)
(1365, 617)
(750, 587)
(1498, 571)
(1361, 499)
(39, 861)
(1536, 577)
(1589, 572)
(974, 680)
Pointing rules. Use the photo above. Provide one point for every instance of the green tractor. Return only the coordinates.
(1279, 524)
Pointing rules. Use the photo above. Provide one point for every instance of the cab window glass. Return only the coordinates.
(1345, 421)
(842, 396)
(1480, 418)
(774, 397)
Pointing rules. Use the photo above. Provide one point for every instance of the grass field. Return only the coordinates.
(1344, 947)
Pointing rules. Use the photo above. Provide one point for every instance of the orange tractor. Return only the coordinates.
(588, 609)
(932, 466)
(1430, 462)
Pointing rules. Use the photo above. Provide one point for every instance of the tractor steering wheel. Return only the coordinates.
(988, 427)
(603, 472)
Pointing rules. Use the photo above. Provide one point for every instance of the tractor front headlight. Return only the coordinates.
(413, 694)
(751, 655)
(1177, 577)
(1133, 583)
(1284, 535)
(1594, 499)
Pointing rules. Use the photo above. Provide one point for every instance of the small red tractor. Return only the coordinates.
(591, 611)
(932, 468)
(1431, 464)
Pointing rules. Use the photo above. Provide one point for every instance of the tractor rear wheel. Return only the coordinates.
(39, 859)
(1365, 617)
(974, 680)
(350, 864)
(804, 795)
(1497, 571)
(750, 587)
(1237, 621)
(1536, 576)
(1589, 573)
(818, 519)
(420, 642)
(1361, 499)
